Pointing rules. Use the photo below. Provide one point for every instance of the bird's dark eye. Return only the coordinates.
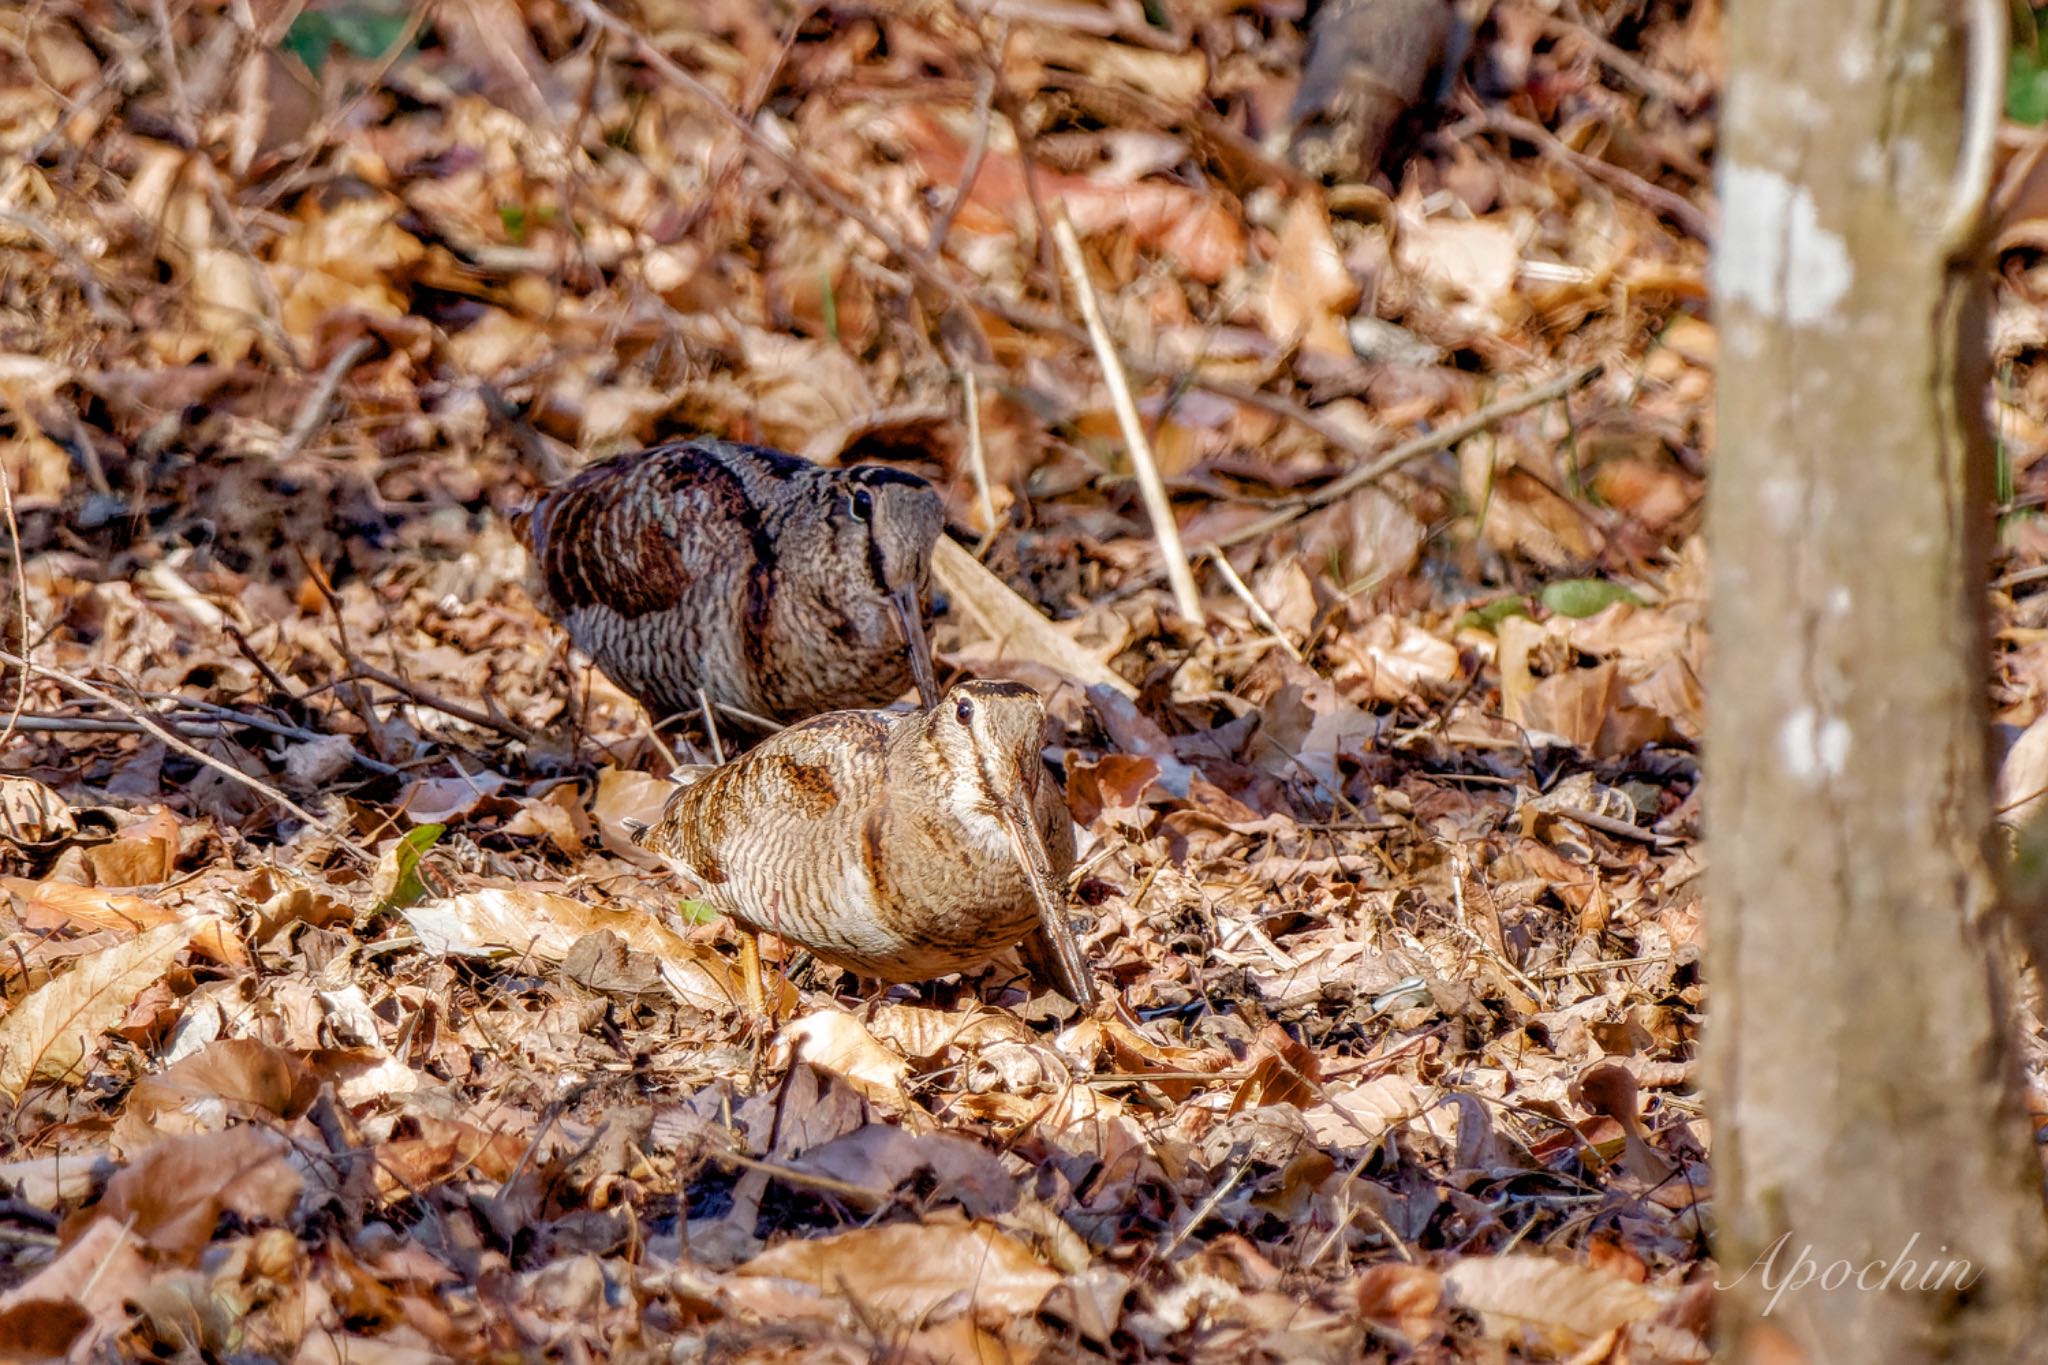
(863, 505)
(964, 712)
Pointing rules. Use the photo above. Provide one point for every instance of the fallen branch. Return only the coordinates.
(314, 412)
(142, 718)
(1187, 599)
(359, 670)
(1414, 449)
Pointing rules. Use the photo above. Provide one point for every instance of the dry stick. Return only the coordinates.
(1591, 968)
(1414, 449)
(37, 723)
(248, 651)
(1264, 618)
(1186, 597)
(21, 596)
(314, 413)
(234, 774)
(511, 729)
(985, 112)
(977, 458)
(1676, 207)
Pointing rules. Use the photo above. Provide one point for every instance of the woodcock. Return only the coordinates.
(779, 587)
(898, 846)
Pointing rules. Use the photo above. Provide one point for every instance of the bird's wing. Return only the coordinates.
(772, 800)
(630, 534)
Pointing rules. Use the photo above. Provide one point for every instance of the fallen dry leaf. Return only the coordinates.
(52, 1033)
(918, 1272)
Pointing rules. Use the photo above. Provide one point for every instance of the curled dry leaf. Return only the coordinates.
(1405, 1298)
(53, 1032)
(836, 1043)
(84, 1290)
(623, 800)
(1548, 1303)
(498, 922)
(230, 1079)
(1308, 291)
(2023, 776)
(918, 1272)
(174, 1193)
(32, 814)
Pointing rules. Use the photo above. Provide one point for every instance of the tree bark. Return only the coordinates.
(1867, 1105)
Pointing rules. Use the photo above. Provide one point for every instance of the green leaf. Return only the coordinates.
(362, 28)
(2026, 87)
(397, 880)
(1489, 617)
(697, 912)
(1585, 596)
(514, 219)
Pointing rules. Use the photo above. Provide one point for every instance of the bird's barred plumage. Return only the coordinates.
(771, 582)
(884, 842)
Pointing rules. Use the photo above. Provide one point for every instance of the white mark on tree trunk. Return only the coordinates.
(1784, 500)
(1813, 747)
(1774, 254)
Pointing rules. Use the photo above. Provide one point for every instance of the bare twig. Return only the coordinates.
(85, 689)
(511, 729)
(1414, 449)
(257, 661)
(1619, 829)
(984, 117)
(1187, 597)
(977, 457)
(27, 643)
(314, 414)
(1590, 968)
(1636, 73)
(36, 723)
(710, 726)
(1228, 572)
(77, 266)
(1676, 207)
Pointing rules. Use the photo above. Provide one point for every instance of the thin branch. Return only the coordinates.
(984, 110)
(313, 415)
(421, 696)
(1264, 619)
(977, 456)
(27, 643)
(37, 723)
(1676, 207)
(229, 771)
(1187, 597)
(80, 269)
(1428, 443)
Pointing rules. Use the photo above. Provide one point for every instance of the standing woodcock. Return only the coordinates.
(898, 846)
(777, 586)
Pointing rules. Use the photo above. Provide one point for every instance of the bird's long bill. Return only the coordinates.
(910, 615)
(1075, 983)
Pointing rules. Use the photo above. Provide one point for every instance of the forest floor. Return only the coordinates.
(339, 1020)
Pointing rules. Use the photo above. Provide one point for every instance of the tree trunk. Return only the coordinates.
(1867, 1104)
